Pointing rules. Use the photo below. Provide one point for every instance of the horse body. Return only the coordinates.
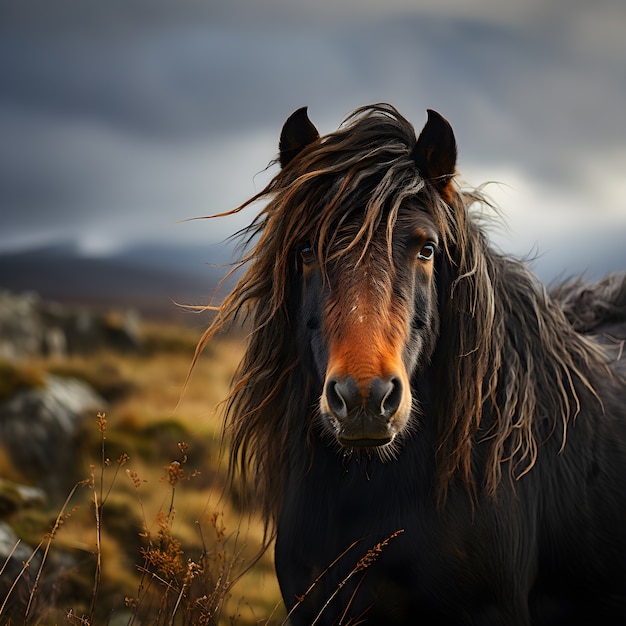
(549, 549)
(435, 438)
(552, 548)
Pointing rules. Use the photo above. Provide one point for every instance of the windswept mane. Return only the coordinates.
(511, 369)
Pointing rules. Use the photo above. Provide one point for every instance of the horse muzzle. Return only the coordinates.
(365, 415)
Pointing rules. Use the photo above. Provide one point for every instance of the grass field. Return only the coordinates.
(149, 534)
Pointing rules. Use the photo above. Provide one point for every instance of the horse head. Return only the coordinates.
(368, 273)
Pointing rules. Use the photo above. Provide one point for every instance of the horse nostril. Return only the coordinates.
(342, 396)
(385, 396)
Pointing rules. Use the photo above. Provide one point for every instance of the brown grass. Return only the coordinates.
(149, 536)
(17, 376)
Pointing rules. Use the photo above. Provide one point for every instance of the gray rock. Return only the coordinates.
(14, 497)
(31, 327)
(20, 325)
(40, 429)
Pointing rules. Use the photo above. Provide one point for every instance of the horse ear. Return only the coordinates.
(297, 133)
(435, 152)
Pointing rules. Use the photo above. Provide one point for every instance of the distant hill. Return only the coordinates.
(148, 278)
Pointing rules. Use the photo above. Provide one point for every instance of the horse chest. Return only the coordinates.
(379, 535)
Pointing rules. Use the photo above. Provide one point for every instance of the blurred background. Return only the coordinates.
(122, 119)
(119, 119)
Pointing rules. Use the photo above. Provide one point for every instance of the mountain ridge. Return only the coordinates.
(151, 278)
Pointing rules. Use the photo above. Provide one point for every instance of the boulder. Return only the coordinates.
(30, 326)
(40, 429)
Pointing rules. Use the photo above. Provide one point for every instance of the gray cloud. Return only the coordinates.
(119, 118)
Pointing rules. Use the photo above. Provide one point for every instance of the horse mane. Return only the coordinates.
(590, 307)
(505, 349)
(516, 368)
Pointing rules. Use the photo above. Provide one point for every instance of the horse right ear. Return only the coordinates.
(297, 133)
(435, 152)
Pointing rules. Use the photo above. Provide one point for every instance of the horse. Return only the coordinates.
(430, 434)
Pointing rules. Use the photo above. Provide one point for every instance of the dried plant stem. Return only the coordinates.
(6, 561)
(181, 594)
(312, 585)
(98, 572)
(98, 504)
(364, 563)
(25, 566)
(349, 604)
(51, 535)
(175, 609)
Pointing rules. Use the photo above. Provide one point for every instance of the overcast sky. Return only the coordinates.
(119, 118)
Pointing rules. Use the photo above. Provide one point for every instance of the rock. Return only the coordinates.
(32, 327)
(20, 325)
(40, 429)
(14, 497)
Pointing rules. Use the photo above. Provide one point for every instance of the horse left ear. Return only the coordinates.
(435, 152)
(297, 133)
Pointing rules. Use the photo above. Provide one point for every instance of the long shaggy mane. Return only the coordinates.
(511, 367)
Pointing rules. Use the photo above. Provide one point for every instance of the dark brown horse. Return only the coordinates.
(434, 437)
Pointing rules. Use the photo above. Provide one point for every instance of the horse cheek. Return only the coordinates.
(310, 334)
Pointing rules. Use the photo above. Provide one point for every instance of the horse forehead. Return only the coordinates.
(362, 275)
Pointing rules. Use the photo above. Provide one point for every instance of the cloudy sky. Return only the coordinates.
(120, 118)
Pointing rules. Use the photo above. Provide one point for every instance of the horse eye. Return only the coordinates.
(307, 254)
(427, 252)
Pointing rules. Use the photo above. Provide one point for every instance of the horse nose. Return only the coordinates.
(382, 396)
(385, 396)
(343, 396)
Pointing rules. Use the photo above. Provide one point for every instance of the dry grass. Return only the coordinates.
(149, 536)
(14, 377)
